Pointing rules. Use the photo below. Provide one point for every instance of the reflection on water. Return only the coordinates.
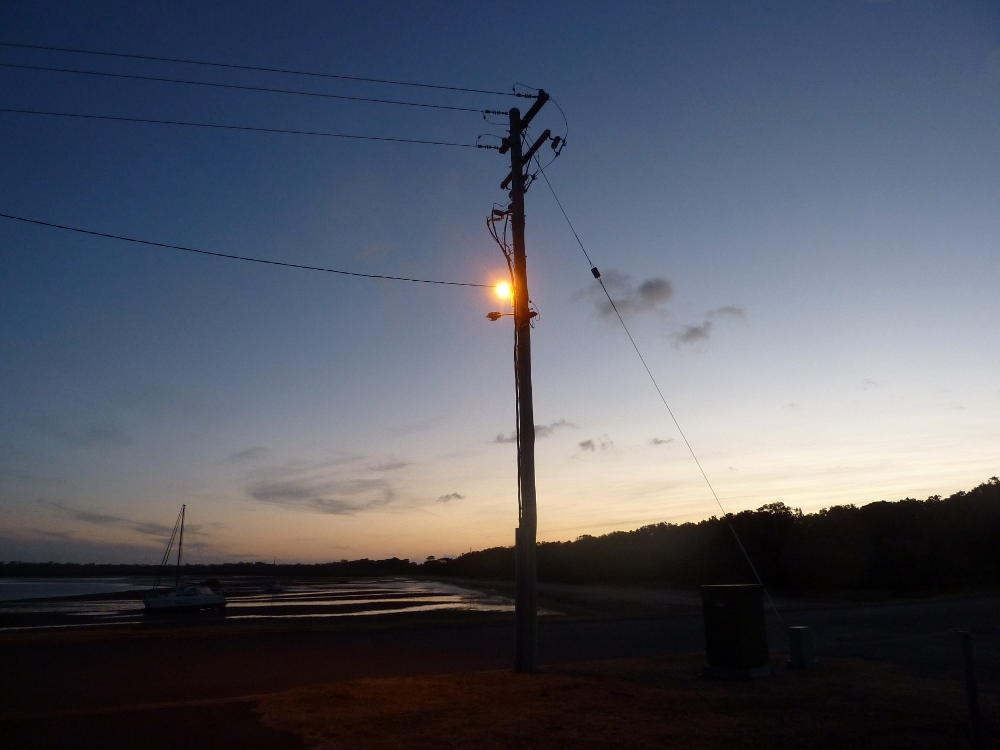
(419, 608)
(327, 602)
(249, 598)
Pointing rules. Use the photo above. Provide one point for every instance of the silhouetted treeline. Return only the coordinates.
(345, 568)
(908, 545)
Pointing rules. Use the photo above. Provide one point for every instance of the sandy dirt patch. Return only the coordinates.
(636, 703)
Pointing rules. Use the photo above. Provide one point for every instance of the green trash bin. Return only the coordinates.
(735, 635)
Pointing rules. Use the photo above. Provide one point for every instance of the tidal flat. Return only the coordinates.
(34, 604)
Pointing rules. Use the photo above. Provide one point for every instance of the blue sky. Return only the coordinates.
(816, 183)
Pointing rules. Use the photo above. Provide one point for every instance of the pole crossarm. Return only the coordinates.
(526, 159)
(528, 117)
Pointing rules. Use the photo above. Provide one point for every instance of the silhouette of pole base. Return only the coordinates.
(525, 604)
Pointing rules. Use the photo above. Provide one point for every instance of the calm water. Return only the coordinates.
(245, 599)
(40, 588)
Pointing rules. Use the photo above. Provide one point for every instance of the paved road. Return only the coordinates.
(919, 635)
(52, 676)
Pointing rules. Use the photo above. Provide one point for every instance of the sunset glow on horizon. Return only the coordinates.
(794, 208)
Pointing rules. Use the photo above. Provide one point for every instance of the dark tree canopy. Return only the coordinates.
(905, 546)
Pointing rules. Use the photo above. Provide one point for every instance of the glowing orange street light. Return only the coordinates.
(503, 291)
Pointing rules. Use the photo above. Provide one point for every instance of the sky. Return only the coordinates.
(796, 206)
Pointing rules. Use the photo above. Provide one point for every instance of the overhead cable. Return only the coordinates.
(659, 391)
(260, 68)
(240, 87)
(248, 259)
(220, 126)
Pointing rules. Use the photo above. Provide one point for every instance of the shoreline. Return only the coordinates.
(556, 600)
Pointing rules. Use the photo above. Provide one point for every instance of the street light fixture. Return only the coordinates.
(498, 315)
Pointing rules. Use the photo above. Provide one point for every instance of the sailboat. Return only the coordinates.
(186, 598)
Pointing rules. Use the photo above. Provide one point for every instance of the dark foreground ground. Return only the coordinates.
(196, 685)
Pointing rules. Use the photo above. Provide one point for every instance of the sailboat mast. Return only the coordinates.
(180, 546)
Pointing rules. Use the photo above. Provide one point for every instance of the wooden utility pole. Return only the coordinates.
(525, 605)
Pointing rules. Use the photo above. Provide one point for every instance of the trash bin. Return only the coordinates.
(735, 636)
(800, 649)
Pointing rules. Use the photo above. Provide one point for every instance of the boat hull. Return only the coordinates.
(188, 599)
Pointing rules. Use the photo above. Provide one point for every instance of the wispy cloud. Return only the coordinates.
(692, 334)
(389, 466)
(247, 455)
(661, 441)
(727, 311)
(450, 496)
(321, 488)
(544, 430)
(146, 528)
(698, 332)
(541, 431)
(602, 443)
(47, 534)
(631, 298)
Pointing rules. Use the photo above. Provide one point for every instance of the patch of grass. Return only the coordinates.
(636, 703)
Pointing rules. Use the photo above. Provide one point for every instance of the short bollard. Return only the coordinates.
(800, 649)
(971, 690)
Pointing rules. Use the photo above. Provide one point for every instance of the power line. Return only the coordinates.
(213, 253)
(572, 228)
(283, 131)
(233, 66)
(263, 89)
(659, 391)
